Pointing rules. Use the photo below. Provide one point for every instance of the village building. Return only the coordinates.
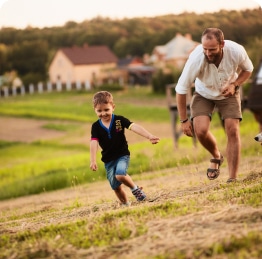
(173, 53)
(135, 71)
(87, 64)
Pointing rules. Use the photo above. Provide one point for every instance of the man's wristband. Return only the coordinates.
(236, 86)
(183, 121)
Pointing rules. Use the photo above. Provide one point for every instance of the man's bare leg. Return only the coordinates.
(206, 138)
(233, 146)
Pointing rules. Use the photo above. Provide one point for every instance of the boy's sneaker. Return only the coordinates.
(139, 194)
(127, 204)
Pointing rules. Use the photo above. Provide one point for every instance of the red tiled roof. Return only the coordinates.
(90, 55)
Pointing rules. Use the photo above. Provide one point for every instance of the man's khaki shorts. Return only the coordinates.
(227, 108)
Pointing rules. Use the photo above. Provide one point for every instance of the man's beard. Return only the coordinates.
(214, 58)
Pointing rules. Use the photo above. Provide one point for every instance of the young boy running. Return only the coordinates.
(109, 133)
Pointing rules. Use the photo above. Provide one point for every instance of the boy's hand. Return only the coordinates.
(153, 139)
(93, 166)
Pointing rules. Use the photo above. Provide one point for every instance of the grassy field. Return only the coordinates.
(50, 165)
(53, 206)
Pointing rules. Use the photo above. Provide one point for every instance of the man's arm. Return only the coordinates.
(231, 88)
(242, 77)
(182, 111)
(181, 106)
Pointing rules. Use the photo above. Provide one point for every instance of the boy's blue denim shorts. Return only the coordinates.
(116, 167)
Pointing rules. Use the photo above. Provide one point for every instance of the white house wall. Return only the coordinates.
(64, 70)
(61, 69)
(83, 73)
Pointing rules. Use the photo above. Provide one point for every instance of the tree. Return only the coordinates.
(3, 59)
(29, 58)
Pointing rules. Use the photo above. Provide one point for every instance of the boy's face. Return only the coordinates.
(105, 111)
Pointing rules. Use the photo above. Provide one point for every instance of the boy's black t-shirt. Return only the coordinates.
(112, 141)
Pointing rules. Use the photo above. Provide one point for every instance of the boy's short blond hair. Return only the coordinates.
(102, 97)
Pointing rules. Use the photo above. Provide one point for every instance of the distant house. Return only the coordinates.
(175, 52)
(135, 71)
(92, 64)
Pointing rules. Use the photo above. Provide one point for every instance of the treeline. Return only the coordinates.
(29, 51)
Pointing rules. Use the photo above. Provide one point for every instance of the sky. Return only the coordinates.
(48, 13)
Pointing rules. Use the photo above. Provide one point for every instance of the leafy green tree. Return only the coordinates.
(3, 59)
(254, 49)
(29, 58)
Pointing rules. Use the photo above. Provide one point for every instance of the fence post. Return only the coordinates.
(31, 88)
(78, 85)
(40, 87)
(87, 85)
(49, 86)
(22, 90)
(58, 86)
(13, 91)
(68, 86)
(5, 89)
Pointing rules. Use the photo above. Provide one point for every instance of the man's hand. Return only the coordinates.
(228, 90)
(187, 128)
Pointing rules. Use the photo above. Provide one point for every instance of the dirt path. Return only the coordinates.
(25, 130)
(29, 130)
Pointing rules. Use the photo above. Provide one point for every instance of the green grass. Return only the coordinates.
(78, 106)
(34, 168)
(69, 230)
(43, 166)
(49, 165)
(109, 228)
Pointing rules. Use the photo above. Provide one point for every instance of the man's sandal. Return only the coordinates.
(231, 180)
(214, 173)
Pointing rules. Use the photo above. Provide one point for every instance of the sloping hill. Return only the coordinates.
(185, 216)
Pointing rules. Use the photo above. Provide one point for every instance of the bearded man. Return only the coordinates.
(217, 67)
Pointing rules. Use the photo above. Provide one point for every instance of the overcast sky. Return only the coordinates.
(48, 13)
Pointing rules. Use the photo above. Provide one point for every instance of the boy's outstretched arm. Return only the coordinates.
(93, 151)
(144, 133)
